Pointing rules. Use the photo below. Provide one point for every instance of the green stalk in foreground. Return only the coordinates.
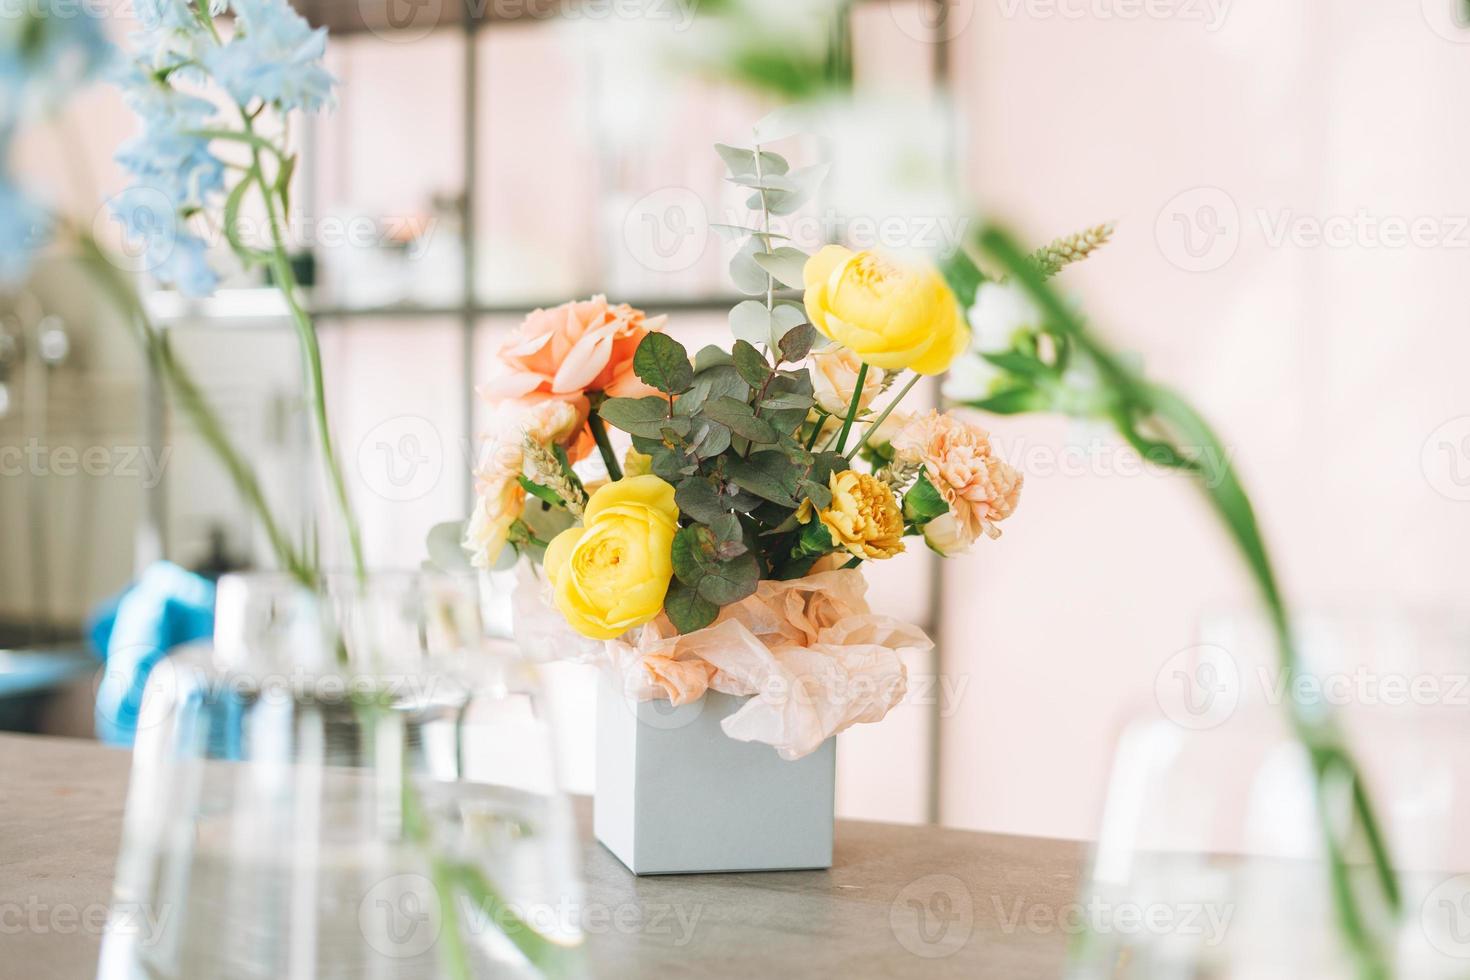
(1166, 430)
(121, 292)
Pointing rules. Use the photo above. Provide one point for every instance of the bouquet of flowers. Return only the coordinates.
(722, 550)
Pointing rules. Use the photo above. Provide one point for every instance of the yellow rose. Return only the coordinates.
(893, 316)
(864, 518)
(612, 573)
(636, 463)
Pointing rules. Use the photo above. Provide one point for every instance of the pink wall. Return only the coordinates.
(1326, 367)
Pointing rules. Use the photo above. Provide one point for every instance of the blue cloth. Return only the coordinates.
(165, 608)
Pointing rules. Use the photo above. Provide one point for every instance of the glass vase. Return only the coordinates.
(302, 803)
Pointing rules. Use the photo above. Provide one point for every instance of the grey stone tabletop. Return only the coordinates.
(899, 901)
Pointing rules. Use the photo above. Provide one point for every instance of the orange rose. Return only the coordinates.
(574, 349)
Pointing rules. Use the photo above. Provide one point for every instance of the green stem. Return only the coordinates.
(852, 408)
(604, 446)
(1139, 402)
(193, 403)
(280, 265)
(883, 417)
(822, 418)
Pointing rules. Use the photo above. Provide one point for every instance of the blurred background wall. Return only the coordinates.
(1287, 183)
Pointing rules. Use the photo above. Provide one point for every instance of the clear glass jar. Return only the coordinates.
(1211, 858)
(346, 784)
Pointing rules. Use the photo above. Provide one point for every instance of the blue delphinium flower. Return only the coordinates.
(173, 32)
(45, 56)
(168, 155)
(274, 56)
(151, 223)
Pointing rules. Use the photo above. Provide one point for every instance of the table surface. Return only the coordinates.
(899, 901)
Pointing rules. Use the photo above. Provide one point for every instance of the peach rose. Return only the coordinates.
(574, 349)
(499, 500)
(980, 487)
(834, 374)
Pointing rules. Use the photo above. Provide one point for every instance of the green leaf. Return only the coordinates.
(750, 321)
(796, 568)
(962, 275)
(752, 365)
(797, 342)
(803, 184)
(697, 564)
(1018, 363)
(729, 536)
(712, 356)
(722, 379)
(671, 466)
(788, 397)
(740, 419)
(815, 538)
(782, 122)
(734, 233)
(1012, 401)
(768, 474)
(543, 493)
(923, 502)
(663, 363)
(445, 547)
(283, 184)
(818, 493)
(740, 161)
(745, 273)
(708, 438)
(687, 610)
(785, 263)
(243, 251)
(698, 498)
(647, 416)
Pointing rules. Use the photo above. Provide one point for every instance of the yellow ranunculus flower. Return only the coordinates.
(612, 573)
(893, 316)
(636, 463)
(864, 518)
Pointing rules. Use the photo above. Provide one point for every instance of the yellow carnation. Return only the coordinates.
(864, 518)
(892, 316)
(612, 573)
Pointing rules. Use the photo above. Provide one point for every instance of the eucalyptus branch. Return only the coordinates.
(1139, 403)
(765, 230)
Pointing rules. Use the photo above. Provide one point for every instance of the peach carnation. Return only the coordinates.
(499, 497)
(979, 486)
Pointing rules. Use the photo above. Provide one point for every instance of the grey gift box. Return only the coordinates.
(676, 795)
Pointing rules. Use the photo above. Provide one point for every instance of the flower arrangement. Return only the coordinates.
(751, 472)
